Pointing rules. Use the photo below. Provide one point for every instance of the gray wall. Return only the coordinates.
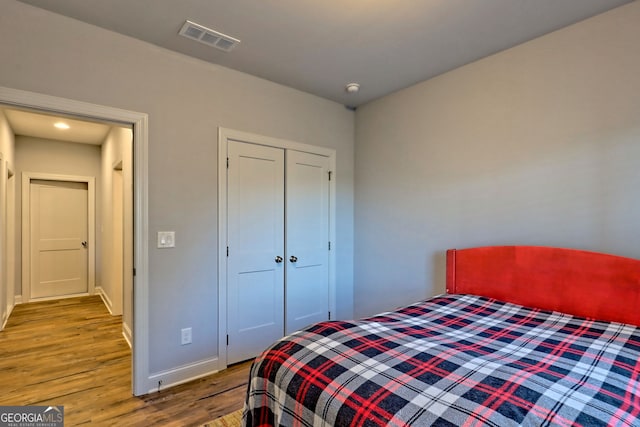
(6, 162)
(186, 100)
(537, 145)
(117, 148)
(7, 270)
(6, 140)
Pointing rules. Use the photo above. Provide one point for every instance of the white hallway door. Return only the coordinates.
(278, 228)
(59, 229)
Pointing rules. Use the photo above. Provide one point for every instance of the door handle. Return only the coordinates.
(278, 259)
(84, 244)
(293, 258)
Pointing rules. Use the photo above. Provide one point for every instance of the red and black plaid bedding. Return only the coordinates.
(455, 360)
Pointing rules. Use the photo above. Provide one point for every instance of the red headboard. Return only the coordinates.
(582, 283)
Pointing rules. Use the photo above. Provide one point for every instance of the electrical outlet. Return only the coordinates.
(185, 336)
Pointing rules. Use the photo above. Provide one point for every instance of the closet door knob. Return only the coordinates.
(293, 258)
(278, 259)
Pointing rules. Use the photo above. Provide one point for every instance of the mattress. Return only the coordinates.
(453, 360)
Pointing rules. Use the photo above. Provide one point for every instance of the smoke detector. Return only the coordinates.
(210, 37)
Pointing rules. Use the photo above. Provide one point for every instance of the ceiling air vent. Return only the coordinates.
(208, 36)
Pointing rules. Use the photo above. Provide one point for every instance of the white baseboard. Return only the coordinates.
(7, 314)
(17, 299)
(10, 308)
(105, 298)
(126, 333)
(183, 374)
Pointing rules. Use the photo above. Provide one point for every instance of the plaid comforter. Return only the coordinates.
(455, 360)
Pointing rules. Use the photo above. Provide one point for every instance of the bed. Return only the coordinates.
(524, 336)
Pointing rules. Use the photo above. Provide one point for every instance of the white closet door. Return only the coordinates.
(307, 228)
(255, 285)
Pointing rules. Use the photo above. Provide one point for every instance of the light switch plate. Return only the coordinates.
(166, 239)
(185, 336)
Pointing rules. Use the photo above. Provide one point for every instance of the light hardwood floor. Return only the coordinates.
(71, 352)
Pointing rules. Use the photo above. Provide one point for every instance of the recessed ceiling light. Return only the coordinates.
(61, 125)
(352, 88)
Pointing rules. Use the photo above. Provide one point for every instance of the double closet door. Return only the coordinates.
(278, 245)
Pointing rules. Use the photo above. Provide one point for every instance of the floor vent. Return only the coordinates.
(208, 36)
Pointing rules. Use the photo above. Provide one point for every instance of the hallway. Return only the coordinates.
(71, 352)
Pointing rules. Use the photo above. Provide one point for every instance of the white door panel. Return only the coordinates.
(59, 226)
(255, 284)
(307, 240)
(257, 293)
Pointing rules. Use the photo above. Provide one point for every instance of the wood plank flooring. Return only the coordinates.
(71, 352)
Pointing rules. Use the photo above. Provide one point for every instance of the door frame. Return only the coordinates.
(141, 383)
(4, 283)
(27, 177)
(117, 204)
(224, 136)
(8, 247)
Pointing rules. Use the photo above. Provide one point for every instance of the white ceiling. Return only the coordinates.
(39, 125)
(320, 46)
